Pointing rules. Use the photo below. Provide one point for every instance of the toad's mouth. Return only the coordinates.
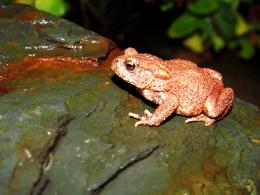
(119, 70)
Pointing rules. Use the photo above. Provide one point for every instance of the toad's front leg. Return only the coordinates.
(161, 113)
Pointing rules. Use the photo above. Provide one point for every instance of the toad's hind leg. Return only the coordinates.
(201, 118)
(219, 103)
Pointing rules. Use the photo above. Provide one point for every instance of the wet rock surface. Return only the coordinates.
(64, 126)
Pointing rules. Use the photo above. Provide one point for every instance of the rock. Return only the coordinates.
(27, 32)
(64, 126)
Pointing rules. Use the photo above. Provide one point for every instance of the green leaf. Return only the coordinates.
(28, 2)
(225, 21)
(166, 6)
(235, 4)
(247, 49)
(183, 26)
(194, 43)
(232, 3)
(218, 43)
(55, 7)
(206, 28)
(203, 6)
(242, 27)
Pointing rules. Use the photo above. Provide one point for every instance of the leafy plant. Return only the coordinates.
(212, 23)
(55, 7)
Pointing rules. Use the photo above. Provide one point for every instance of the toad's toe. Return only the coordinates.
(134, 115)
(140, 123)
(201, 118)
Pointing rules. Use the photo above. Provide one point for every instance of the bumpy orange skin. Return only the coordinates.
(176, 86)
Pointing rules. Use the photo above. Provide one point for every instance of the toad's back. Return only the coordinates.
(191, 84)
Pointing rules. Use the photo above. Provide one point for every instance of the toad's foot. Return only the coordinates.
(201, 118)
(143, 120)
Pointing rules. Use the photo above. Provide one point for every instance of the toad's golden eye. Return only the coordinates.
(130, 66)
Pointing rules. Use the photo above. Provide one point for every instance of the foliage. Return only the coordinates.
(216, 24)
(55, 7)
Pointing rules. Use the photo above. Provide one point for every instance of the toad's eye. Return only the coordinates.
(130, 66)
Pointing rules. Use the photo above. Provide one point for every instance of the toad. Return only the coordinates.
(176, 85)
